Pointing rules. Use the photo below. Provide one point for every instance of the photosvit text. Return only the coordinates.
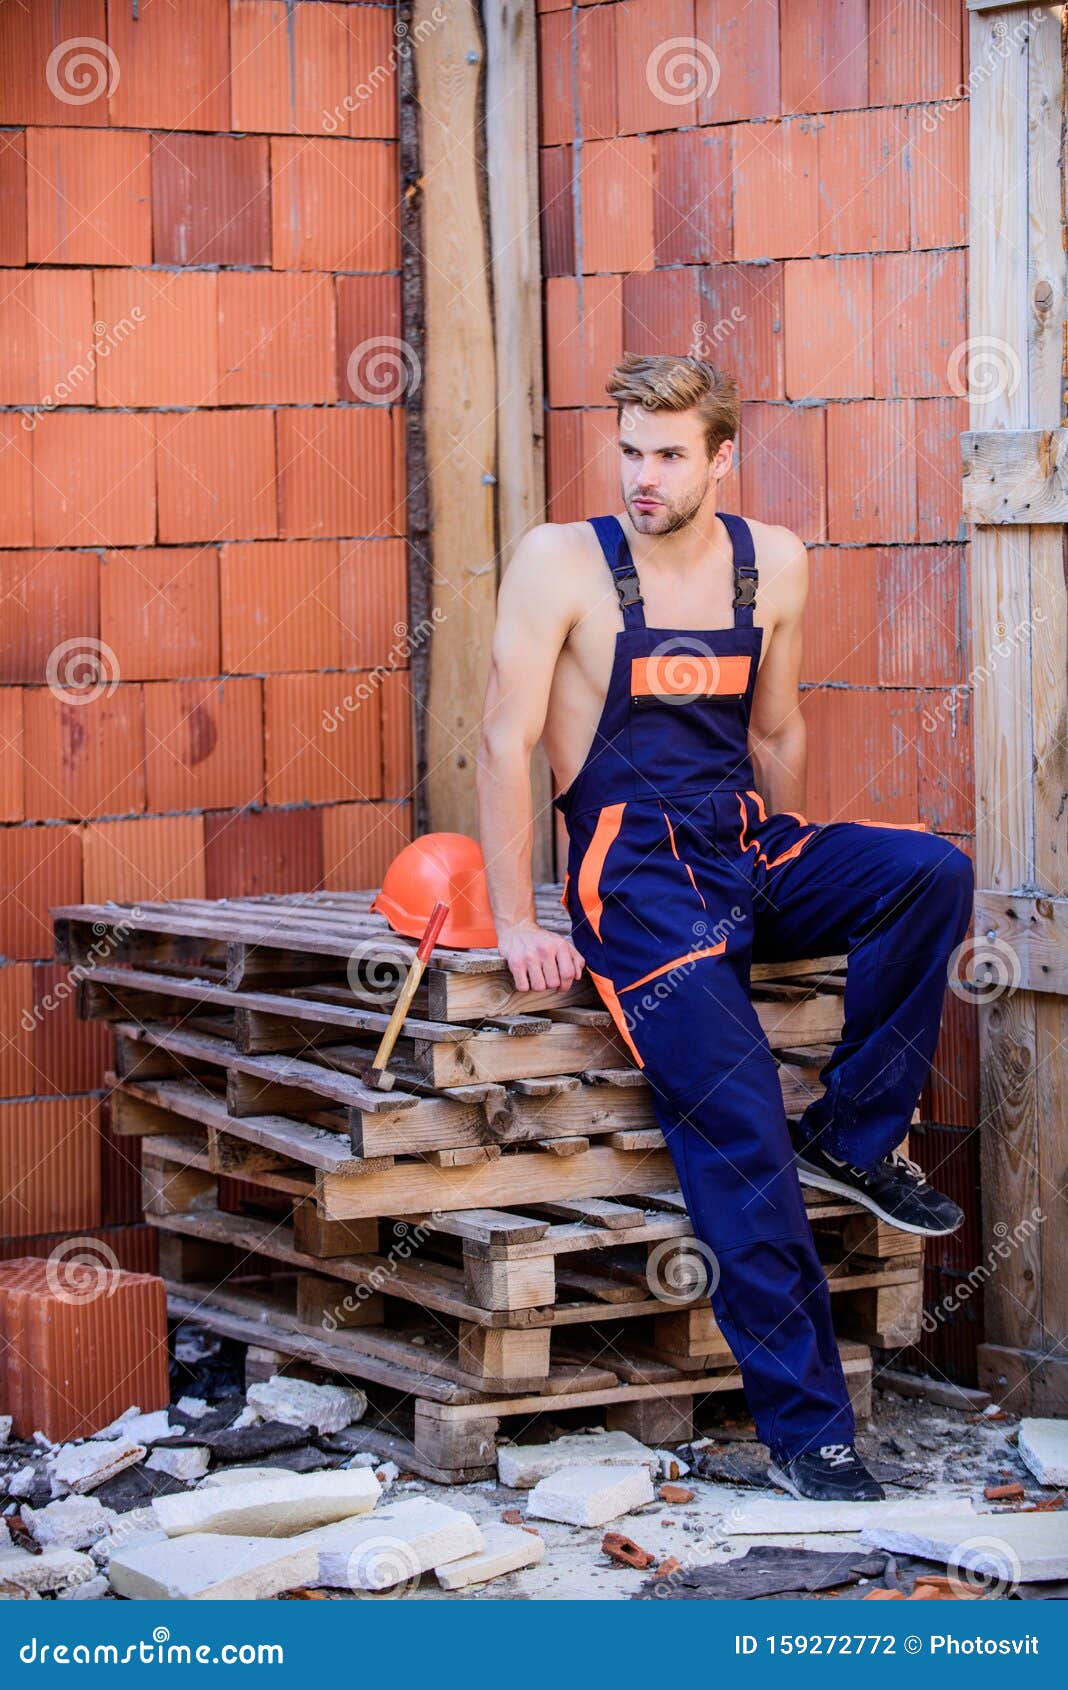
(867, 1643)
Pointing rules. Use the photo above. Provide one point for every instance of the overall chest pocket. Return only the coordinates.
(675, 678)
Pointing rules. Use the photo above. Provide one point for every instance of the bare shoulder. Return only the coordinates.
(782, 564)
(554, 563)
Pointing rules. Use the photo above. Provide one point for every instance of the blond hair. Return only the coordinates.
(679, 383)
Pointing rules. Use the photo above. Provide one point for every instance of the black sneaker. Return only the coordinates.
(831, 1473)
(895, 1190)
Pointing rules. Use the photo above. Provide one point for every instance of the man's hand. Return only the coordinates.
(540, 961)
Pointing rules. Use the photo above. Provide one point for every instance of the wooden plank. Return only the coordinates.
(1016, 476)
(1028, 931)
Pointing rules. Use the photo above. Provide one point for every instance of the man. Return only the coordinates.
(658, 656)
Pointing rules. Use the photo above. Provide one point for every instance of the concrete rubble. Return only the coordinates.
(395, 1545)
(280, 1506)
(75, 1522)
(188, 1463)
(505, 1549)
(82, 1467)
(1007, 1547)
(1043, 1447)
(523, 1465)
(295, 1402)
(590, 1495)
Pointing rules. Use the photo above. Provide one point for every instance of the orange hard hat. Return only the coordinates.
(446, 866)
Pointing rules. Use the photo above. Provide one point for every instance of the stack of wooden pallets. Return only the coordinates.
(500, 1234)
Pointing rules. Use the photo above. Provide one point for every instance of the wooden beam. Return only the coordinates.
(1016, 475)
(1031, 934)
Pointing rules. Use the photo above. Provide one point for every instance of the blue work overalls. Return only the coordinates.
(676, 880)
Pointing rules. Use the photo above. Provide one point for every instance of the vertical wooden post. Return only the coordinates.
(1020, 691)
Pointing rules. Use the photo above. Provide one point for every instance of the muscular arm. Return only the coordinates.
(534, 615)
(777, 733)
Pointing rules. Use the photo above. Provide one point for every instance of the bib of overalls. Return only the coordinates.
(676, 713)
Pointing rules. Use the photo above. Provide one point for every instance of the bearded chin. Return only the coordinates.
(681, 515)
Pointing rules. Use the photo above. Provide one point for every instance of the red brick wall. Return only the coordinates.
(202, 488)
(797, 211)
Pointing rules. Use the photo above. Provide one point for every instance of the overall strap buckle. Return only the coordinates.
(629, 589)
(745, 584)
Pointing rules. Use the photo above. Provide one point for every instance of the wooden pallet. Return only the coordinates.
(454, 1427)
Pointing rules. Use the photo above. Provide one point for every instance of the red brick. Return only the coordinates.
(290, 67)
(308, 760)
(50, 1160)
(600, 462)
(871, 471)
(17, 1076)
(368, 323)
(120, 1186)
(13, 196)
(334, 205)
(398, 516)
(134, 1247)
(398, 708)
(946, 772)
(617, 205)
(373, 49)
(921, 611)
(159, 611)
(862, 755)
(662, 313)
(62, 304)
(596, 75)
(829, 328)
(153, 858)
(742, 80)
(16, 481)
(217, 475)
(824, 56)
(776, 189)
(915, 51)
(556, 80)
(938, 174)
(175, 65)
(335, 472)
(584, 336)
(75, 90)
(40, 869)
(742, 312)
(360, 841)
(93, 479)
(248, 852)
(88, 197)
(84, 759)
(373, 605)
(692, 198)
(69, 1055)
(12, 798)
(863, 182)
(210, 200)
(782, 451)
(170, 356)
(204, 744)
(276, 339)
(563, 466)
(661, 69)
(921, 321)
(939, 426)
(556, 210)
(280, 607)
(47, 599)
(840, 633)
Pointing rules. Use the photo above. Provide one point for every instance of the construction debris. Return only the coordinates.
(522, 1465)
(202, 1567)
(772, 1518)
(188, 1463)
(506, 1549)
(275, 1507)
(1005, 1548)
(76, 1522)
(82, 1467)
(1043, 1446)
(764, 1570)
(625, 1552)
(295, 1402)
(395, 1545)
(52, 1570)
(588, 1496)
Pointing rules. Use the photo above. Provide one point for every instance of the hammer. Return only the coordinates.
(376, 1075)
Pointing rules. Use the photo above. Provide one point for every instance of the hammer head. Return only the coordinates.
(379, 1079)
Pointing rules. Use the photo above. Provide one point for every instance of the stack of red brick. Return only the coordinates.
(80, 1342)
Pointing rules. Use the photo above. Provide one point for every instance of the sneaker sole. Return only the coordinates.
(839, 1188)
(778, 1477)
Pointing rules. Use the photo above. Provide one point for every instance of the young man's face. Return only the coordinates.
(665, 470)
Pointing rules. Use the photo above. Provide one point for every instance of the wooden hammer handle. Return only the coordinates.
(407, 992)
